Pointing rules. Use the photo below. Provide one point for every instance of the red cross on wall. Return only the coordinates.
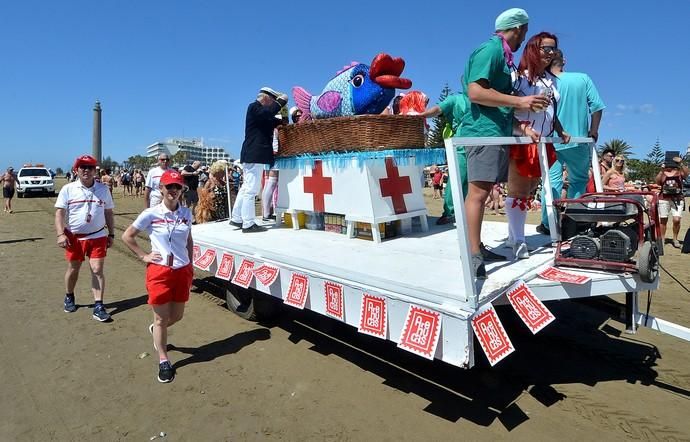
(318, 185)
(395, 186)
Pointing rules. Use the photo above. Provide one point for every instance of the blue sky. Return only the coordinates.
(179, 68)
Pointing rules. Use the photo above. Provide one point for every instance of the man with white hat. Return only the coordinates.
(487, 82)
(257, 151)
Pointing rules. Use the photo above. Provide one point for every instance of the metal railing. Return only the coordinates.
(469, 282)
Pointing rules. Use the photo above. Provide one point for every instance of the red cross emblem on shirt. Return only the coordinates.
(318, 185)
(395, 186)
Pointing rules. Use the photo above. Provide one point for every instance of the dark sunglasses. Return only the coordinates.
(173, 187)
(619, 161)
(87, 167)
(548, 49)
(163, 159)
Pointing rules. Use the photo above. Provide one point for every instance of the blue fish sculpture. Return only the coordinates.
(355, 90)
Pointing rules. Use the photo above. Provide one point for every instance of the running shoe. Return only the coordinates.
(70, 306)
(676, 244)
(445, 220)
(478, 266)
(490, 256)
(520, 250)
(166, 372)
(99, 313)
(541, 228)
(236, 224)
(254, 228)
(154, 341)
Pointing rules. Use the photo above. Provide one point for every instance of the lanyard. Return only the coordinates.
(88, 199)
(167, 226)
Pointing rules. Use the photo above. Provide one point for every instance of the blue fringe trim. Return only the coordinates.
(339, 160)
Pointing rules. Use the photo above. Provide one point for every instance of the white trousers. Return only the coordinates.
(244, 210)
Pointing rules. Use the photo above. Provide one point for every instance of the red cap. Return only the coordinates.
(85, 160)
(172, 177)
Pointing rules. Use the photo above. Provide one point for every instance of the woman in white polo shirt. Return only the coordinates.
(169, 264)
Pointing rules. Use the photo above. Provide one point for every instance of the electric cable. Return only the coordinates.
(674, 278)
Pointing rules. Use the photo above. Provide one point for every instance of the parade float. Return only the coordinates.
(357, 168)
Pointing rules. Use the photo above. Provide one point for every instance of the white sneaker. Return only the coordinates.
(520, 250)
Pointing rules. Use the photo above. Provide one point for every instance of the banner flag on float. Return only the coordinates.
(244, 274)
(266, 274)
(225, 266)
(491, 335)
(421, 332)
(334, 300)
(206, 259)
(531, 310)
(373, 319)
(297, 291)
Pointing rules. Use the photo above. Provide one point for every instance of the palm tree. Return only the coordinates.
(618, 146)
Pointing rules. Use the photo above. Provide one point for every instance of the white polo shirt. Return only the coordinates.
(168, 232)
(153, 179)
(85, 207)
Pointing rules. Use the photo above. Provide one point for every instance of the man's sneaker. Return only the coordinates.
(676, 244)
(541, 228)
(490, 256)
(254, 228)
(154, 340)
(268, 220)
(70, 306)
(445, 220)
(520, 250)
(99, 313)
(166, 372)
(478, 266)
(236, 224)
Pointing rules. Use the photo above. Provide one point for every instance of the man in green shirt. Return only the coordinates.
(488, 84)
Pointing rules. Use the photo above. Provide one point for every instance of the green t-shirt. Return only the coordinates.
(488, 62)
(454, 108)
(579, 99)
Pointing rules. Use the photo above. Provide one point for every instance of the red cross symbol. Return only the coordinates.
(395, 186)
(319, 185)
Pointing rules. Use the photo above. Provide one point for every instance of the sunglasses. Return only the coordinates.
(173, 187)
(548, 49)
(619, 161)
(87, 167)
(163, 159)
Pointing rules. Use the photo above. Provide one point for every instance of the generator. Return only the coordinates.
(610, 231)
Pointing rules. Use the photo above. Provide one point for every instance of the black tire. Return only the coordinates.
(250, 304)
(648, 262)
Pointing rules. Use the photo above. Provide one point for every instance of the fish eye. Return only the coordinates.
(358, 80)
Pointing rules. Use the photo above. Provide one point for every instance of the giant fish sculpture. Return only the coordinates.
(355, 90)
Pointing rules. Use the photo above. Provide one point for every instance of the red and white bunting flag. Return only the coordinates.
(334, 300)
(196, 252)
(207, 258)
(373, 318)
(421, 331)
(297, 291)
(558, 275)
(225, 266)
(491, 335)
(531, 310)
(244, 274)
(266, 274)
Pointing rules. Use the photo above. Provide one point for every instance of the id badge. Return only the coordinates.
(170, 259)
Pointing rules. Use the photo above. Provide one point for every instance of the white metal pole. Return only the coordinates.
(547, 189)
(596, 172)
(227, 189)
(461, 224)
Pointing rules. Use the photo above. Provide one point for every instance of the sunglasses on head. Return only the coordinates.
(173, 187)
(548, 49)
(83, 167)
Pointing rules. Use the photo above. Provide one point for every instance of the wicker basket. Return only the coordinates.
(348, 134)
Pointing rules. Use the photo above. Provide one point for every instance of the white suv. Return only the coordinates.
(35, 179)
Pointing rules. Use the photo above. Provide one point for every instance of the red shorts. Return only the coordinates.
(526, 158)
(165, 284)
(79, 248)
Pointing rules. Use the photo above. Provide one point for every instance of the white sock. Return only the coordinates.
(516, 209)
(267, 196)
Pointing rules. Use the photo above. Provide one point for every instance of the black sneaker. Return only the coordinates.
(166, 372)
(490, 256)
(99, 313)
(445, 220)
(270, 219)
(70, 306)
(254, 228)
(478, 266)
(541, 228)
(235, 224)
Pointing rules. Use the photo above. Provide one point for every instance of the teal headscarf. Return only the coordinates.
(512, 18)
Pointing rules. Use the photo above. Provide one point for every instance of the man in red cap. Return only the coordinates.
(85, 228)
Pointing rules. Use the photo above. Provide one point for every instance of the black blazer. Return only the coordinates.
(258, 133)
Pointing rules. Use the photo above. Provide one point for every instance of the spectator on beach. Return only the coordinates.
(531, 78)
(152, 194)
(579, 111)
(257, 151)
(138, 182)
(9, 184)
(85, 227)
(437, 181)
(453, 109)
(169, 269)
(126, 179)
(487, 82)
(213, 198)
(614, 178)
(191, 172)
(107, 179)
(671, 200)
